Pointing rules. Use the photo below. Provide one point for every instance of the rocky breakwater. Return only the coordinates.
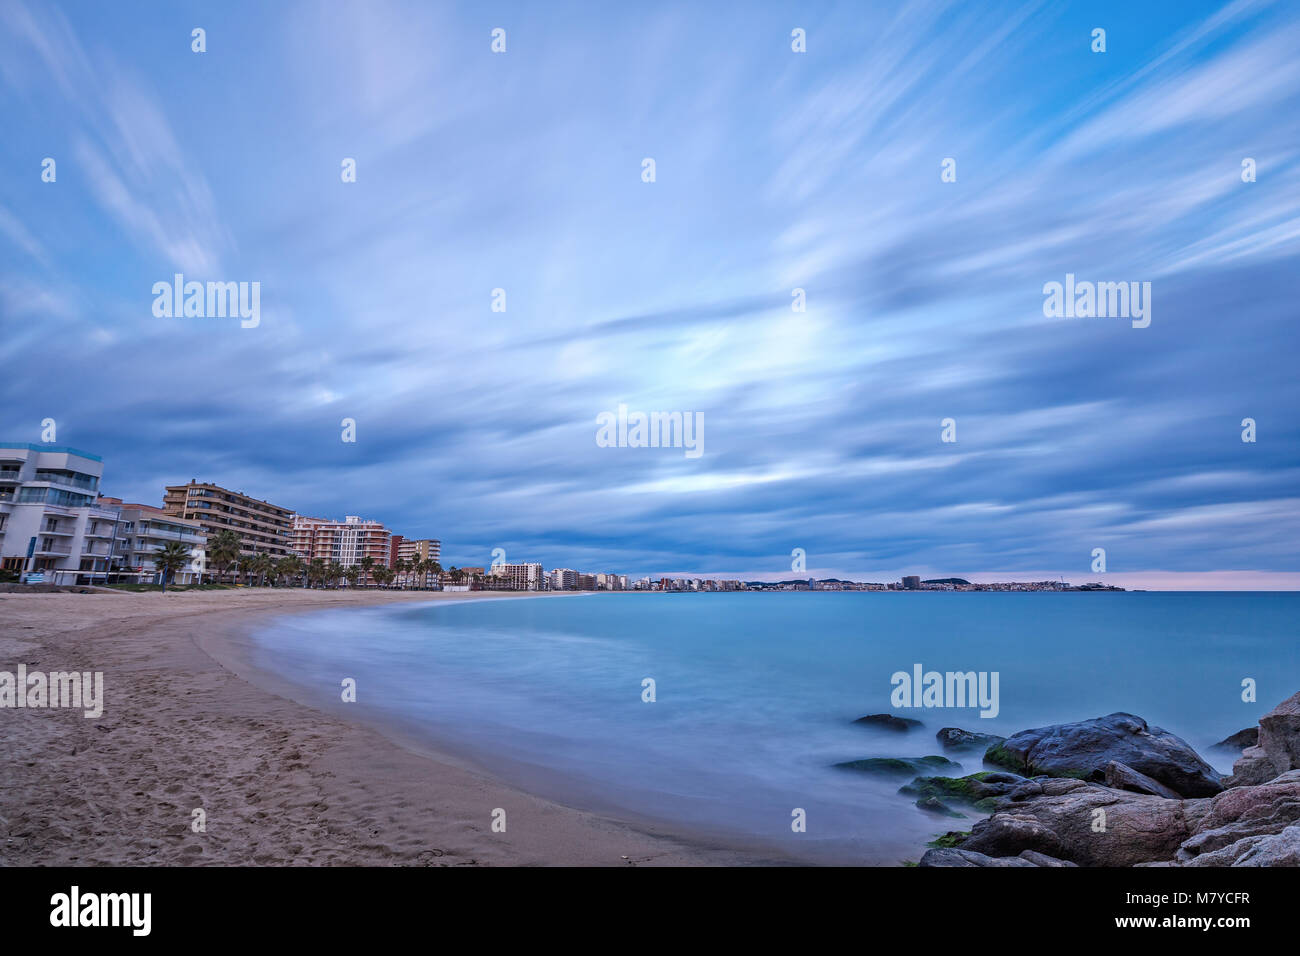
(1115, 791)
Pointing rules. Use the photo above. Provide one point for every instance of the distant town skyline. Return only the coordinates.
(438, 338)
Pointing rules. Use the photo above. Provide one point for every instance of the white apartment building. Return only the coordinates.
(564, 579)
(518, 577)
(50, 523)
(142, 530)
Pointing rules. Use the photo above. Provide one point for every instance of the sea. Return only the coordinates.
(723, 715)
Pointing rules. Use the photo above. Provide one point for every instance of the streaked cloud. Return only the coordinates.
(818, 171)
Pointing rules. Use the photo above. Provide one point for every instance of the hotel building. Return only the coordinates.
(344, 542)
(263, 528)
(50, 522)
(517, 577)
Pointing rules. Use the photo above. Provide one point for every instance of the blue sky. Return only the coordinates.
(774, 171)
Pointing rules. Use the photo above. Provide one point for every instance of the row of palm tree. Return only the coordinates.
(223, 553)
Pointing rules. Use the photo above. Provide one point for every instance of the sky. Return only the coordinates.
(774, 170)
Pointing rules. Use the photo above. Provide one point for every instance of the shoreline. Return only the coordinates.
(192, 724)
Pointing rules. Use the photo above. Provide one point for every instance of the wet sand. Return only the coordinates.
(189, 724)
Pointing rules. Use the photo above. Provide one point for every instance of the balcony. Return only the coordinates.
(86, 482)
(188, 536)
(8, 474)
(53, 548)
(60, 530)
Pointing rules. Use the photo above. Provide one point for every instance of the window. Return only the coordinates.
(54, 496)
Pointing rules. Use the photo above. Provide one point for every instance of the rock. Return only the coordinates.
(1242, 814)
(1277, 749)
(950, 839)
(967, 858)
(1123, 777)
(889, 722)
(954, 738)
(1239, 741)
(1083, 750)
(960, 857)
(937, 806)
(1279, 734)
(979, 789)
(1277, 849)
(899, 766)
(1250, 769)
(1060, 818)
(1244, 826)
(1063, 820)
(1042, 859)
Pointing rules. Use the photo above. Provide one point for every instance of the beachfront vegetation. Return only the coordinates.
(223, 551)
(170, 558)
(232, 567)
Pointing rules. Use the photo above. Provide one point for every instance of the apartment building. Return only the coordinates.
(420, 549)
(50, 522)
(344, 542)
(564, 579)
(142, 530)
(517, 577)
(263, 528)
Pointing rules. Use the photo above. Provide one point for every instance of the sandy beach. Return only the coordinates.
(187, 726)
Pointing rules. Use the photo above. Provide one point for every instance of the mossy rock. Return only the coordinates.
(952, 838)
(899, 766)
(1000, 756)
(944, 786)
(937, 806)
(981, 790)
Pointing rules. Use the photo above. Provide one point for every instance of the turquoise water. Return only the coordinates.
(756, 693)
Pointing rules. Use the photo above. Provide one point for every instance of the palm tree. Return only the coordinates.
(384, 576)
(367, 563)
(316, 571)
(288, 567)
(261, 564)
(353, 574)
(399, 567)
(436, 568)
(333, 572)
(223, 550)
(169, 559)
